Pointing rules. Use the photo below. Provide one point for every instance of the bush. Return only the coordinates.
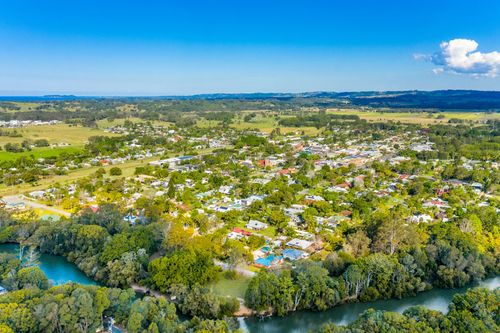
(115, 171)
(41, 143)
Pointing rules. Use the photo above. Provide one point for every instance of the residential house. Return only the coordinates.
(256, 225)
(294, 254)
(299, 243)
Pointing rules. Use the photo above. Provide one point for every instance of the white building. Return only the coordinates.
(256, 225)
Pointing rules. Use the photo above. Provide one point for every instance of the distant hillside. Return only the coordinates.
(439, 99)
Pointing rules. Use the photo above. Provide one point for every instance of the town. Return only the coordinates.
(282, 197)
(247, 213)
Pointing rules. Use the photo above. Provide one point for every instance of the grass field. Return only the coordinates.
(38, 152)
(263, 124)
(74, 135)
(228, 287)
(423, 118)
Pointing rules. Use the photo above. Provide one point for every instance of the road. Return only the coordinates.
(242, 271)
(33, 204)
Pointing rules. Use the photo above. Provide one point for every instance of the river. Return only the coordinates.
(304, 321)
(57, 269)
(60, 271)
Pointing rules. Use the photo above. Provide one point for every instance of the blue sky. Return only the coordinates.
(185, 47)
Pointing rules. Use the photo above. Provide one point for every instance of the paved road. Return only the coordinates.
(33, 204)
(242, 271)
(144, 290)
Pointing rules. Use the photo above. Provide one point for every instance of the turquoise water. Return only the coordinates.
(304, 321)
(56, 268)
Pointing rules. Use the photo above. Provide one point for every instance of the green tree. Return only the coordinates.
(115, 171)
(32, 277)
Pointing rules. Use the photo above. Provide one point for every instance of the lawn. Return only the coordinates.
(228, 287)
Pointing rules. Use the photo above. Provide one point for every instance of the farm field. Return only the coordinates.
(74, 135)
(423, 118)
(44, 152)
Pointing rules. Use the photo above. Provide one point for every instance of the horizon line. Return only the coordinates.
(71, 95)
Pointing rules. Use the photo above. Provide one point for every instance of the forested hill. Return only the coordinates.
(439, 99)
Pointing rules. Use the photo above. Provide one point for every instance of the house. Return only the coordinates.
(256, 225)
(337, 189)
(418, 147)
(131, 219)
(14, 205)
(265, 163)
(477, 186)
(225, 189)
(294, 210)
(251, 199)
(299, 243)
(242, 232)
(37, 194)
(298, 147)
(404, 177)
(247, 163)
(136, 196)
(436, 203)
(417, 218)
(287, 171)
(234, 235)
(294, 254)
(94, 208)
(313, 198)
(344, 185)
(346, 213)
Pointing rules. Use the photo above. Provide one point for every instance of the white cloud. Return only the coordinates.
(460, 56)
